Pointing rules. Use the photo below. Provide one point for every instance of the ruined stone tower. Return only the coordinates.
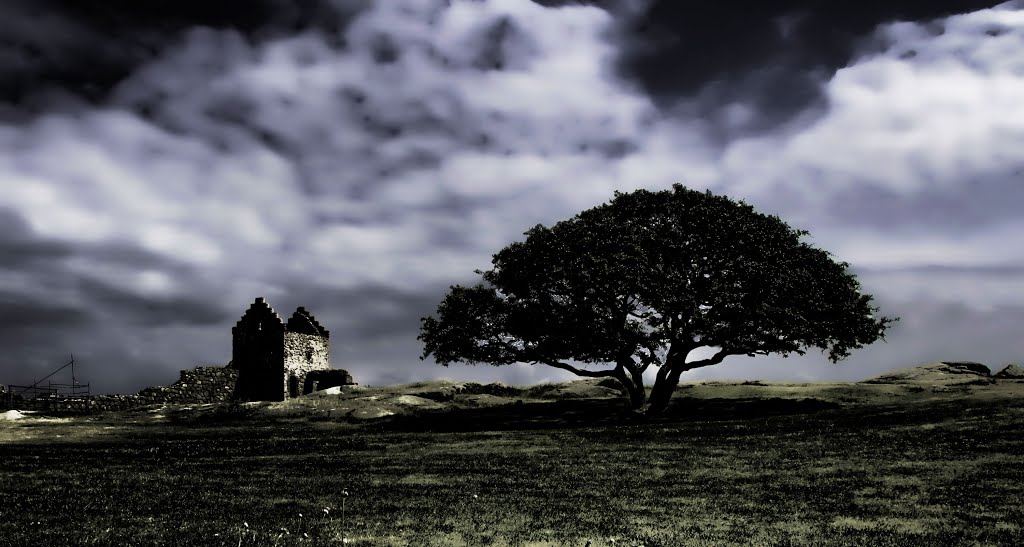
(272, 357)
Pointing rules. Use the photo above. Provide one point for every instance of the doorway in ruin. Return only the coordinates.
(293, 386)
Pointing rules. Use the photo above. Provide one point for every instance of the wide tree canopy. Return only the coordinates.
(647, 279)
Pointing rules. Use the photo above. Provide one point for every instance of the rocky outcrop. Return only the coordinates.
(947, 373)
(1013, 371)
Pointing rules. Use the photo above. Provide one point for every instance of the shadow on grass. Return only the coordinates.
(576, 413)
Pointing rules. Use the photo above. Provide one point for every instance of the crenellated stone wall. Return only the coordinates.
(257, 343)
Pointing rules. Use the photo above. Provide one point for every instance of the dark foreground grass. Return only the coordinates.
(723, 472)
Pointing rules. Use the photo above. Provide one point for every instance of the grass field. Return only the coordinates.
(728, 465)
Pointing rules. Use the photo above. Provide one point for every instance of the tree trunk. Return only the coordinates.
(664, 386)
(632, 380)
(637, 394)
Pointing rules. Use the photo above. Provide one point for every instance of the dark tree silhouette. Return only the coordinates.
(645, 280)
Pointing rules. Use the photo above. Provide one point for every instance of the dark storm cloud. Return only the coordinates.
(22, 311)
(28, 317)
(769, 57)
(19, 246)
(371, 311)
(115, 304)
(57, 299)
(112, 298)
(52, 48)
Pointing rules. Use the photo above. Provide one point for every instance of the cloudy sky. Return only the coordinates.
(161, 168)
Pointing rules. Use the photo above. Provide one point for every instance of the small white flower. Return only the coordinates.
(475, 496)
(344, 492)
(245, 523)
(300, 515)
(327, 510)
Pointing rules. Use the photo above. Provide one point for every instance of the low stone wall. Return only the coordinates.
(200, 385)
(84, 405)
(195, 386)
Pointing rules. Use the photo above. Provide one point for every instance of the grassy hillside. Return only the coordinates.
(835, 464)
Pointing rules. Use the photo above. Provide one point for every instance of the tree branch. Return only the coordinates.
(678, 351)
(713, 360)
(578, 371)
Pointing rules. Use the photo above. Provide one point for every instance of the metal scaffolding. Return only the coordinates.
(51, 390)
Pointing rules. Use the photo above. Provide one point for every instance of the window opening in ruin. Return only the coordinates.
(309, 355)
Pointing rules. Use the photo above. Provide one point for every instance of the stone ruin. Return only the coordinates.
(277, 360)
(271, 361)
(200, 385)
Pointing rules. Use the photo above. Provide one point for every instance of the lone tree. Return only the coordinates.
(647, 279)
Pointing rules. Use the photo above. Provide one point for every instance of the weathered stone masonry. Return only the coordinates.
(306, 348)
(273, 358)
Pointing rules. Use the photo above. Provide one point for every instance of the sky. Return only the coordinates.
(161, 167)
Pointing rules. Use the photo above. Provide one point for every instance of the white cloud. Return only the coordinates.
(908, 122)
(938, 125)
(383, 148)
